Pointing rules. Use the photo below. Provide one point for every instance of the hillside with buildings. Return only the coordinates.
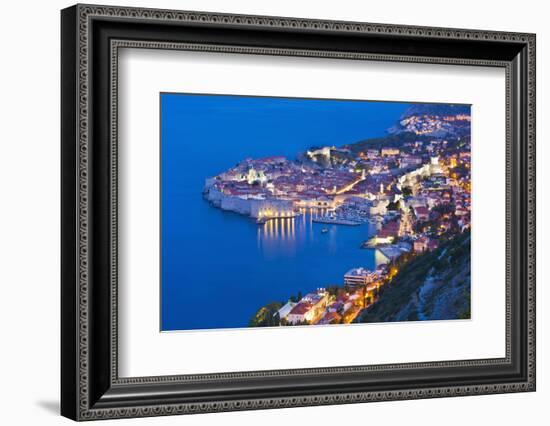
(432, 286)
(413, 186)
(422, 123)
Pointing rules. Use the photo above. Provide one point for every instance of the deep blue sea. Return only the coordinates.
(219, 268)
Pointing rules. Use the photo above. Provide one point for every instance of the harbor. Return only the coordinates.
(266, 218)
(335, 221)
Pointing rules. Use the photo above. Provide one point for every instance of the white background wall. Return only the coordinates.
(29, 211)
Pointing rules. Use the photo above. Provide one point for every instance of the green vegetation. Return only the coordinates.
(266, 316)
(396, 140)
(389, 141)
(338, 158)
(407, 191)
(393, 206)
(432, 285)
(296, 298)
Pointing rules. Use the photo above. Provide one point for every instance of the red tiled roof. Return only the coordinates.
(332, 316)
(421, 210)
(390, 229)
(272, 158)
(300, 309)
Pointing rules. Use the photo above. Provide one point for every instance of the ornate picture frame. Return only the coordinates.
(91, 37)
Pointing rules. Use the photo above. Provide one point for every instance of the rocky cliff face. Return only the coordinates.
(433, 286)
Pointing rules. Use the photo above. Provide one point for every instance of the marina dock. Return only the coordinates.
(335, 221)
(265, 219)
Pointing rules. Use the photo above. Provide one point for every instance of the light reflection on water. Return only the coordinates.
(236, 266)
(283, 237)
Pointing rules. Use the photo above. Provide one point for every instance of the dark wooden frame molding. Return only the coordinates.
(90, 38)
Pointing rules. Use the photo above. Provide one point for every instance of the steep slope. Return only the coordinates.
(433, 286)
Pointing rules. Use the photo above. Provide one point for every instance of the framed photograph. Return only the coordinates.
(263, 212)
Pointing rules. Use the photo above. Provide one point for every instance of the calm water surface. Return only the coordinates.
(219, 267)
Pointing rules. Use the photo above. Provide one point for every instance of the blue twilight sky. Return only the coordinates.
(216, 269)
